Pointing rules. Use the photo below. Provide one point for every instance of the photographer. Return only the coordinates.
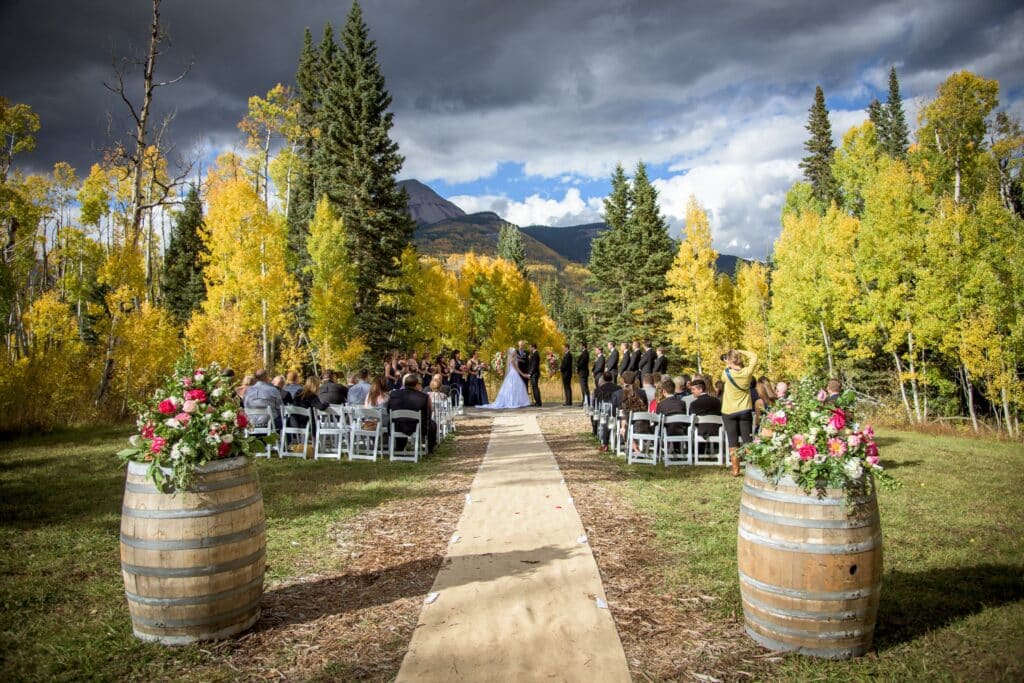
(737, 408)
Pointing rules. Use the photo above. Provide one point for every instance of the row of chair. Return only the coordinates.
(356, 432)
(648, 437)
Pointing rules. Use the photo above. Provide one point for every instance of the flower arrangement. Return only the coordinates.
(498, 362)
(818, 444)
(193, 419)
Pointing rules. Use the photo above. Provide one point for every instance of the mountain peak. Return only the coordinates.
(426, 206)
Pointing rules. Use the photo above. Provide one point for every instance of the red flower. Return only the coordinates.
(147, 430)
(167, 407)
(242, 421)
(223, 449)
(808, 451)
(158, 444)
(871, 449)
(838, 420)
(195, 395)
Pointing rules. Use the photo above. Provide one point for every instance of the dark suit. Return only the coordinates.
(612, 365)
(706, 405)
(598, 366)
(533, 370)
(523, 363)
(583, 374)
(673, 405)
(661, 365)
(646, 365)
(332, 392)
(634, 361)
(410, 399)
(566, 370)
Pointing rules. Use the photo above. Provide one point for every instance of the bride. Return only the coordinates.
(513, 390)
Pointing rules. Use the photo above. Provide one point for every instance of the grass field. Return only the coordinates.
(63, 614)
(952, 605)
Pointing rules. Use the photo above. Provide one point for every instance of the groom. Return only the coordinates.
(533, 370)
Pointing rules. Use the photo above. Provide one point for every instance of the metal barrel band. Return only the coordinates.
(860, 523)
(194, 543)
(809, 595)
(803, 633)
(187, 514)
(186, 572)
(837, 616)
(765, 494)
(814, 548)
(204, 487)
(825, 652)
(195, 599)
(198, 621)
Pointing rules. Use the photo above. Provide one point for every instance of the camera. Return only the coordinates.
(723, 357)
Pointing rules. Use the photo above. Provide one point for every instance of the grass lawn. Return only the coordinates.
(63, 614)
(952, 605)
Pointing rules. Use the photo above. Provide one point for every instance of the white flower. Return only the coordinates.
(820, 457)
(228, 416)
(199, 377)
(135, 441)
(814, 433)
(212, 439)
(177, 401)
(217, 393)
(186, 450)
(173, 423)
(176, 451)
(853, 469)
(830, 430)
(778, 439)
(793, 460)
(227, 438)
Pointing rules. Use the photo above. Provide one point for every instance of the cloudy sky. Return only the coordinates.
(524, 107)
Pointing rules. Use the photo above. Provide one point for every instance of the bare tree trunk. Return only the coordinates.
(1006, 412)
(828, 348)
(141, 127)
(913, 376)
(969, 392)
(903, 391)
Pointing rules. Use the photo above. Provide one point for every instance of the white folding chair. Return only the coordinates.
(290, 436)
(600, 417)
(330, 438)
(365, 436)
(642, 446)
(442, 416)
(676, 448)
(619, 421)
(720, 439)
(451, 414)
(265, 430)
(412, 439)
(456, 396)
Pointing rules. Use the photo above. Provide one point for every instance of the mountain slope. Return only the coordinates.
(427, 206)
(571, 242)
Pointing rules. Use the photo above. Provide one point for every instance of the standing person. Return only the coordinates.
(612, 364)
(646, 363)
(634, 357)
(391, 376)
(599, 364)
(457, 373)
(533, 372)
(737, 408)
(661, 361)
(583, 372)
(566, 370)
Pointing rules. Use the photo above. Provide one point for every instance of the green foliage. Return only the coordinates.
(182, 280)
(817, 165)
(510, 246)
(897, 135)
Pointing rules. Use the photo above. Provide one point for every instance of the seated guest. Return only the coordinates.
(633, 402)
(292, 385)
(703, 404)
(376, 396)
(308, 397)
(357, 392)
(445, 389)
(834, 389)
(607, 392)
(649, 387)
(409, 397)
(263, 394)
(671, 405)
(765, 400)
(682, 385)
(719, 388)
(330, 391)
(278, 382)
(435, 393)
(247, 382)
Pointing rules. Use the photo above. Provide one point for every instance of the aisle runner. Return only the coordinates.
(519, 596)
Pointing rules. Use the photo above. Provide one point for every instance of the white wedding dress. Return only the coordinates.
(513, 390)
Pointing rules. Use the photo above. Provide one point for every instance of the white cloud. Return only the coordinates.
(572, 209)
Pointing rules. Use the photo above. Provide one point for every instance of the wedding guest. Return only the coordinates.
(357, 392)
(330, 391)
(704, 404)
(633, 402)
(436, 395)
(292, 386)
(765, 400)
(834, 389)
(737, 408)
(263, 394)
(247, 382)
(648, 386)
(409, 397)
(719, 389)
(308, 397)
(682, 383)
(607, 392)
(376, 395)
(278, 382)
(671, 404)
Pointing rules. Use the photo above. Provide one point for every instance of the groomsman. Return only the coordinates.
(583, 372)
(567, 374)
(598, 364)
(634, 358)
(646, 364)
(533, 371)
(661, 362)
(627, 357)
(612, 364)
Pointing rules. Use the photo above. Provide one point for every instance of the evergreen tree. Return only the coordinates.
(896, 140)
(610, 307)
(182, 282)
(356, 163)
(818, 164)
(648, 257)
(510, 246)
(303, 191)
(878, 115)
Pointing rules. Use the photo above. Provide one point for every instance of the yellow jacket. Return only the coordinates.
(735, 400)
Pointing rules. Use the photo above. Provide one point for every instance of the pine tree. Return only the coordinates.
(610, 306)
(356, 162)
(818, 164)
(182, 283)
(648, 258)
(896, 140)
(510, 246)
(303, 191)
(879, 116)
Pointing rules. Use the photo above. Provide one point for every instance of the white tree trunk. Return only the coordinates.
(903, 391)
(828, 349)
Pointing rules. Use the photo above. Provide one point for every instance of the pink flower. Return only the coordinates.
(854, 440)
(779, 418)
(167, 407)
(807, 451)
(183, 418)
(158, 444)
(871, 449)
(223, 449)
(242, 420)
(187, 382)
(869, 433)
(798, 441)
(836, 447)
(190, 406)
(872, 460)
(822, 395)
(838, 419)
(195, 395)
(147, 430)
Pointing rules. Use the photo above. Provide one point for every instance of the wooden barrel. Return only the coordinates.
(810, 568)
(193, 562)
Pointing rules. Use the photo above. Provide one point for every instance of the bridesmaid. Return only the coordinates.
(457, 370)
(390, 380)
(476, 393)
